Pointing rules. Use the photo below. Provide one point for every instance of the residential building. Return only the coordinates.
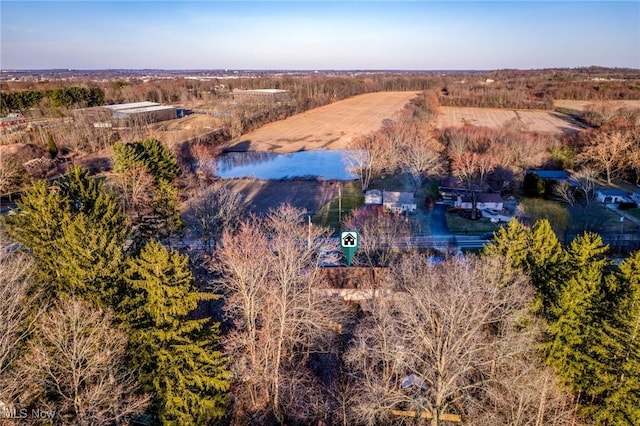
(398, 202)
(484, 201)
(450, 188)
(612, 196)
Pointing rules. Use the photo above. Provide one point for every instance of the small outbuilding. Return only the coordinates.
(373, 196)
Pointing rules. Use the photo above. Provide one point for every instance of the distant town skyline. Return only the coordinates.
(300, 35)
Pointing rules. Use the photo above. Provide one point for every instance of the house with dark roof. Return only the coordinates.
(450, 188)
(557, 175)
(612, 196)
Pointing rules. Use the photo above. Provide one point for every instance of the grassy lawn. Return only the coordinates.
(329, 215)
(398, 182)
(555, 212)
(575, 219)
(634, 212)
(460, 225)
(596, 218)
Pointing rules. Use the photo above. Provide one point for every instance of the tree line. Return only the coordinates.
(67, 97)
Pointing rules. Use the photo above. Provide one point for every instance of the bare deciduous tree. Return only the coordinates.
(565, 192)
(269, 269)
(472, 168)
(216, 209)
(381, 233)
(421, 155)
(449, 337)
(607, 151)
(587, 183)
(369, 156)
(136, 189)
(16, 309)
(74, 366)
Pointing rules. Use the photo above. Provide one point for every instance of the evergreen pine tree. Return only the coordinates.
(164, 218)
(90, 260)
(160, 162)
(178, 358)
(52, 148)
(545, 258)
(76, 233)
(511, 242)
(574, 319)
(127, 156)
(150, 154)
(616, 383)
(37, 226)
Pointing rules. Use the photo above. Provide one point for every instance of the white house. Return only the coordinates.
(373, 196)
(398, 202)
(612, 196)
(484, 201)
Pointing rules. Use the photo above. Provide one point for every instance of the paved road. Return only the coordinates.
(439, 242)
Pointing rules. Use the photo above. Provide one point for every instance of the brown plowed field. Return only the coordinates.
(531, 120)
(330, 127)
(581, 105)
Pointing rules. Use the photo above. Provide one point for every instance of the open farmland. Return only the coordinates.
(581, 105)
(495, 118)
(330, 127)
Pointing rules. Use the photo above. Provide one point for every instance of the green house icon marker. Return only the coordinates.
(349, 243)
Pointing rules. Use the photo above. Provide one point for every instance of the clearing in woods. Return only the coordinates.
(495, 118)
(261, 195)
(327, 127)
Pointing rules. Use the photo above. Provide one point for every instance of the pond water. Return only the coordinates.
(322, 164)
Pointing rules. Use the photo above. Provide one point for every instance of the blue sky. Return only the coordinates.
(417, 35)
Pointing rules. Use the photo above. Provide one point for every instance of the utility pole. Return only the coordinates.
(621, 234)
(339, 205)
(309, 234)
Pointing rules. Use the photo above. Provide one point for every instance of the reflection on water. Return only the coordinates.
(323, 164)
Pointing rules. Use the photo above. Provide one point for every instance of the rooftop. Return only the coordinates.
(397, 197)
(261, 91)
(613, 192)
(118, 107)
(484, 198)
(551, 174)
